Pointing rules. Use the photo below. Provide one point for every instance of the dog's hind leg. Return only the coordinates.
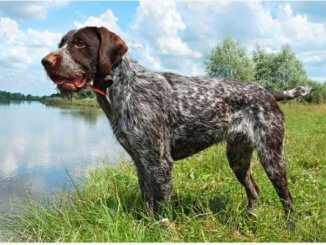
(239, 153)
(270, 152)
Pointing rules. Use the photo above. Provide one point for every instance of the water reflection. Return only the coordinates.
(14, 102)
(37, 144)
(90, 116)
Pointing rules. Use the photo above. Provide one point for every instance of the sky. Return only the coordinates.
(163, 35)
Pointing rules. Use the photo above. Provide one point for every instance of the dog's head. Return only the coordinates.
(83, 55)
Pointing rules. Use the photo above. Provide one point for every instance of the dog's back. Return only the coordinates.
(208, 110)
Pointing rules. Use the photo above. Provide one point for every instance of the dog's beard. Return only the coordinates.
(65, 94)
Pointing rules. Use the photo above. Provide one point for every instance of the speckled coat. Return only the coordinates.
(162, 117)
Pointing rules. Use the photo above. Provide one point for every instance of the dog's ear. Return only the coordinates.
(65, 38)
(111, 50)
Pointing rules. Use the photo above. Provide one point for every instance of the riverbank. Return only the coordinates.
(59, 101)
(208, 203)
(7, 101)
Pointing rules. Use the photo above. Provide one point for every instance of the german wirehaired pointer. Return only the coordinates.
(161, 117)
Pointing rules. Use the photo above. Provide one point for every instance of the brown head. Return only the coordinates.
(84, 55)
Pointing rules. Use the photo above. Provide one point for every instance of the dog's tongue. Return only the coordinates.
(78, 82)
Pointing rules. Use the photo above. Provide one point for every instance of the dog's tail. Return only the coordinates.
(291, 94)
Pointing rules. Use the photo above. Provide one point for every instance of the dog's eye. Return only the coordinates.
(79, 44)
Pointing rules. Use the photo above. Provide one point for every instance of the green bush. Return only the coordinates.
(274, 71)
(278, 71)
(317, 94)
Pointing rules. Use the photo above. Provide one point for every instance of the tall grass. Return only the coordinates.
(208, 202)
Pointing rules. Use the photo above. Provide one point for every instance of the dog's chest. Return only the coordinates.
(118, 119)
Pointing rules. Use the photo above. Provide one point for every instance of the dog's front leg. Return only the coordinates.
(155, 180)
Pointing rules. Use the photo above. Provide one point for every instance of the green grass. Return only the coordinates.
(58, 101)
(208, 202)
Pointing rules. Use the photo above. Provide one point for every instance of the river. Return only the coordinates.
(41, 146)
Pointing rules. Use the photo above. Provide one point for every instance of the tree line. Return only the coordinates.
(17, 96)
(5, 96)
(274, 71)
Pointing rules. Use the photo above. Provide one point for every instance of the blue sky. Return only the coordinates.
(164, 35)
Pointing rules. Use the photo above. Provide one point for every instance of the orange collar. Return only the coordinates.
(98, 90)
(107, 82)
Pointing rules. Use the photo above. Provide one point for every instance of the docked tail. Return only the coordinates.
(291, 94)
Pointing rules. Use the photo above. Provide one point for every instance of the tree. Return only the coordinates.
(274, 71)
(278, 71)
(230, 59)
(17, 96)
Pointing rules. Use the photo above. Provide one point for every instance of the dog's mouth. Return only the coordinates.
(71, 84)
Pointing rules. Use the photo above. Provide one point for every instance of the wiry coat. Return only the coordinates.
(162, 117)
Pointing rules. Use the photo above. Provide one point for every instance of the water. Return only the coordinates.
(39, 144)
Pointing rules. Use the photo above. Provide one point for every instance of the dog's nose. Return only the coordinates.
(50, 60)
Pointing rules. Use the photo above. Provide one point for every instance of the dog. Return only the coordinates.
(161, 117)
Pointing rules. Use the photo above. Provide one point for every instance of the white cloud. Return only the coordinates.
(249, 22)
(158, 30)
(20, 56)
(9, 28)
(43, 38)
(29, 10)
(154, 61)
(141, 51)
(314, 56)
(107, 19)
(21, 48)
(179, 34)
(299, 30)
(173, 45)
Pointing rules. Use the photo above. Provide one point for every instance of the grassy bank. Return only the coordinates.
(59, 101)
(208, 202)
